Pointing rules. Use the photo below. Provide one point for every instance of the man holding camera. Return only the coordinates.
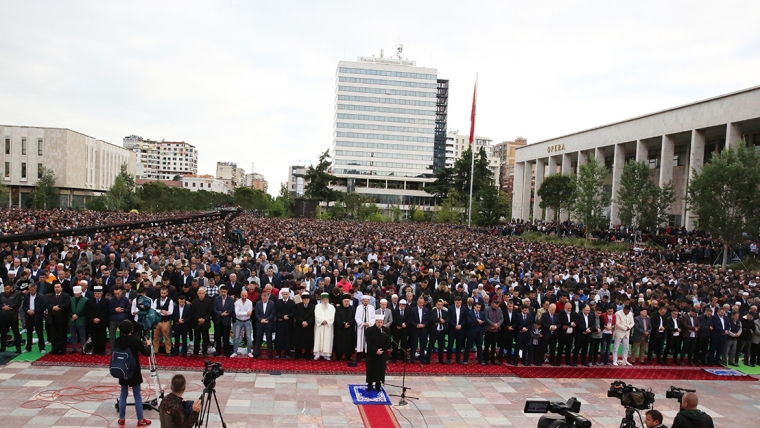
(174, 412)
(690, 416)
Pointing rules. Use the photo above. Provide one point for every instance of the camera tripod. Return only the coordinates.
(153, 403)
(628, 421)
(209, 392)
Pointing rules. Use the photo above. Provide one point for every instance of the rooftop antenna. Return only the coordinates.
(399, 49)
(382, 53)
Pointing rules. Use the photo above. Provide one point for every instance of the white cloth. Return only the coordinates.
(623, 324)
(363, 314)
(323, 334)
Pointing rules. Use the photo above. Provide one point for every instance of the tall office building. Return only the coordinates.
(389, 113)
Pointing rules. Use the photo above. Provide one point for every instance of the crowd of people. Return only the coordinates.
(311, 289)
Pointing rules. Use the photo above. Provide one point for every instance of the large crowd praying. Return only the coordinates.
(300, 288)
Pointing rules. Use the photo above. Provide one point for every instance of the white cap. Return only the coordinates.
(383, 301)
(402, 302)
(366, 296)
(77, 289)
(83, 282)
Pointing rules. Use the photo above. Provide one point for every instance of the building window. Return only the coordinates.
(23, 147)
(609, 161)
(679, 156)
(39, 170)
(653, 159)
(185, 183)
(7, 146)
(7, 170)
(39, 147)
(23, 170)
(193, 184)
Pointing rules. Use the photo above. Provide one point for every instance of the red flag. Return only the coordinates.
(472, 116)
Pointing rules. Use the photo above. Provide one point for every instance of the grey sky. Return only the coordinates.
(255, 81)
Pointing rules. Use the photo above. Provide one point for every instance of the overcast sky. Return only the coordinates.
(254, 82)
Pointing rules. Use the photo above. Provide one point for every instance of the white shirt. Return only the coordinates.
(242, 309)
(181, 309)
(32, 298)
(160, 303)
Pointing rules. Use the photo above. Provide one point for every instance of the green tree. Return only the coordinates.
(656, 209)
(493, 204)
(352, 201)
(319, 179)
(556, 193)
(642, 203)
(444, 182)
(396, 214)
(590, 199)
(45, 194)
(337, 211)
(450, 210)
(277, 209)
(4, 192)
(177, 177)
(285, 197)
(367, 210)
(252, 199)
(121, 195)
(418, 215)
(483, 175)
(725, 196)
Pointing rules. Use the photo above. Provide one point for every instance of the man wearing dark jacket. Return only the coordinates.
(690, 416)
(97, 310)
(58, 304)
(203, 312)
(10, 302)
(33, 307)
(172, 410)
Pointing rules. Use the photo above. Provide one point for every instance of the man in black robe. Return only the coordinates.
(344, 340)
(378, 345)
(284, 311)
(303, 333)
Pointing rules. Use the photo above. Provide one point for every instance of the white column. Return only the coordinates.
(666, 160)
(517, 189)
(567, 167)
(733, 135)
(552, 171)
(696, 160)
(540, 172)
(599, 154)
(582, 160)
(617, 172)
(527, 185)
(642, 152)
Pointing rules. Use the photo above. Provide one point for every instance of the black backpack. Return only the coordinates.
(123, 364)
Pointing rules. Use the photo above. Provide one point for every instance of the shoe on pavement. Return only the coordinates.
(234, 354)
(143, 423)
(122, 422)
(250, 355)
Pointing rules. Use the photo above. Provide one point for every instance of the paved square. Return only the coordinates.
(263, 400)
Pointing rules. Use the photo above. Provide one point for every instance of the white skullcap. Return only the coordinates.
(383, 301)
(366, 296)
(77, 289)
(402, 302)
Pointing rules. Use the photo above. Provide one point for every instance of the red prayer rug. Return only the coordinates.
(378, 416)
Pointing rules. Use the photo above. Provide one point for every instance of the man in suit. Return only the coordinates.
(384, 312)
(549, 330)
(203, 312)
(270, 278)
(34, 308)
(10, 302)
(264, 313)
(718, 337)
(689, 332)
(183, 318)
(566, 334)
(494, 317)
(584, 323)
(522, 326)
(97, 311)
(673, 337)
(642, 328)
(703, 336)
(657, 340)
(378, 345)
(400, 331)
(58, 305)
(506, 341)
(457, 324)
(476, 325)
(419, 319)
(438, 322)
(224, 308)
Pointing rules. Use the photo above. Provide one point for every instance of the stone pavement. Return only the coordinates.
(263, 400)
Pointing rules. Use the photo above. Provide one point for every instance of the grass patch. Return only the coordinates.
(576, 242)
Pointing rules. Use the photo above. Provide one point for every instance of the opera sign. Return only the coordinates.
(555, 148)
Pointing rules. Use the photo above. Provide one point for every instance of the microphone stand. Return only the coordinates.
(404, 388)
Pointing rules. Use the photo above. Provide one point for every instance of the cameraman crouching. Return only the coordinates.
(173, 410)
(690, 416)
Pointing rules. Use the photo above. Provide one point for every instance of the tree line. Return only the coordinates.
(723, 197)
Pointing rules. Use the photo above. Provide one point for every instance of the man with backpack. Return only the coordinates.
(125, 365)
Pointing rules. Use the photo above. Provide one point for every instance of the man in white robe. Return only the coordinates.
(365, 317)
(324, 316)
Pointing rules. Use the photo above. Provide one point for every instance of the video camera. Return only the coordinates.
(211, 372)
(677, 393)
(568, 412)
(631, 396)
(146, 315)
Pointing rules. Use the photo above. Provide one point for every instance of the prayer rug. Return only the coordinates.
(361, 395)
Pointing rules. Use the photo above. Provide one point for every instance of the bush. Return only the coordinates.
(752, 265)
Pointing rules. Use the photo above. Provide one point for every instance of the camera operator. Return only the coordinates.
(174, 411)
(690, 416)
(654, 419)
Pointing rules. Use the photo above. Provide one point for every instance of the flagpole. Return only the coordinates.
(472, 151)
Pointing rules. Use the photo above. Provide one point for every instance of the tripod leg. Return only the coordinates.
(218, 409)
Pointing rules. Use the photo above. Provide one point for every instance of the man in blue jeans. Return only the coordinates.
(137, 347)
(243, 311)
